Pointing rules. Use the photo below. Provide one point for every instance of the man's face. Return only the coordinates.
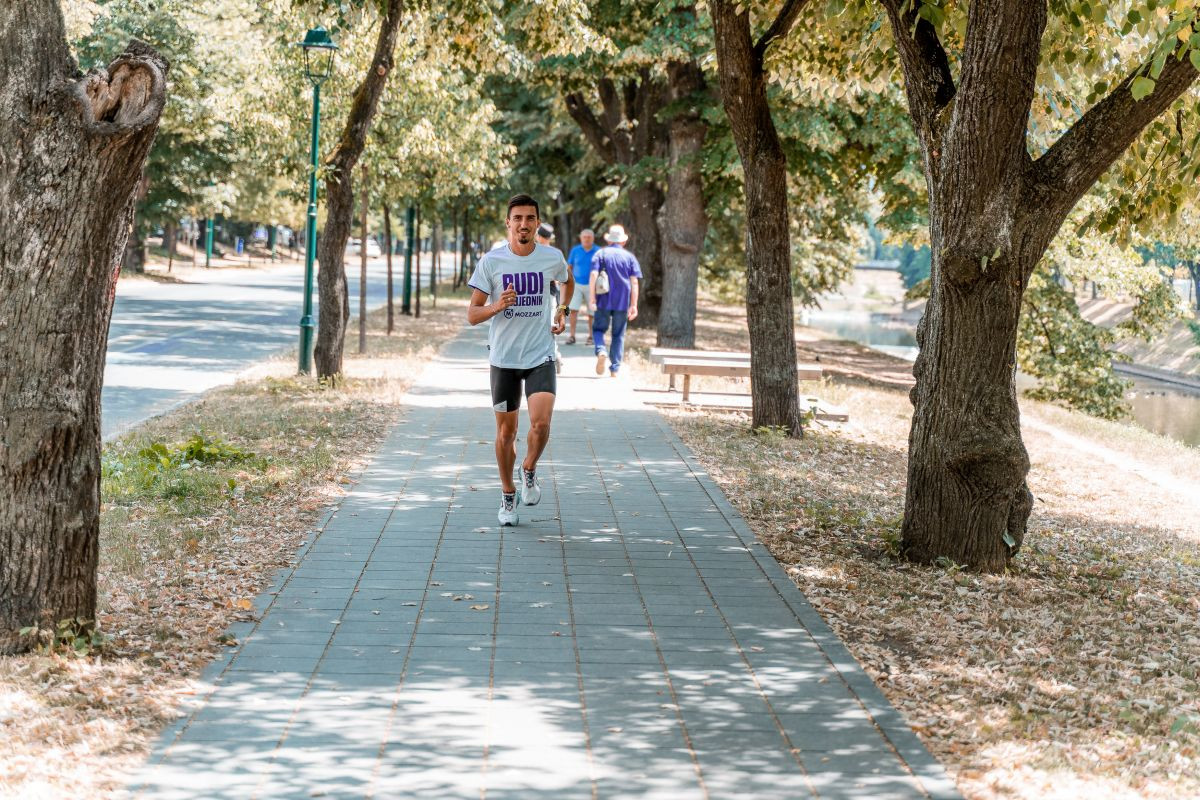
(522, 222)
(587, 240)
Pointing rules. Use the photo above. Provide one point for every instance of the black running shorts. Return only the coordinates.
(506, 385)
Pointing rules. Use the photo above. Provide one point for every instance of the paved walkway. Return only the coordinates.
(628, 640)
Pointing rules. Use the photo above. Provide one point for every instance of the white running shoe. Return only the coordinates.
(508, 510)
(601, 362)
(531, 489)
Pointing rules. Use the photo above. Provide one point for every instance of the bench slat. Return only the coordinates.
(731, 369)
(658, 354)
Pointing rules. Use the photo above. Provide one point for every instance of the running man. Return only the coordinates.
(510, 287)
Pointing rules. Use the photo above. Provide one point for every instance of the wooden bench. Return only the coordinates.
(725, 401)
(660, 354)
(725, 368)
(657, 354)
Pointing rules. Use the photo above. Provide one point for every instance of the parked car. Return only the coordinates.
(354, 248)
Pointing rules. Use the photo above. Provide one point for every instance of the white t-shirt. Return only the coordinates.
(520, 336)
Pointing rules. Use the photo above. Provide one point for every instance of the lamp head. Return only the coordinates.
(318, 55)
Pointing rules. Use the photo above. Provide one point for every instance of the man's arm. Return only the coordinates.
(479, 311)
(633, 295)
(560, 313)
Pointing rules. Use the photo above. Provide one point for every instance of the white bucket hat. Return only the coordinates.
(616, 235)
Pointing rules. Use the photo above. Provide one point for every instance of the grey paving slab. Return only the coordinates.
(630, 639)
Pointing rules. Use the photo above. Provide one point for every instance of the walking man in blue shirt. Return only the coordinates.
(580, 259)
(511, 288)
(618, 305)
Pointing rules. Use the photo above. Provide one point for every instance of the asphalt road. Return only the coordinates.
(169, 342)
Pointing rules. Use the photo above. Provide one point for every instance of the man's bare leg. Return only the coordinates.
(574, 320)
(541, 408)
(506, 447)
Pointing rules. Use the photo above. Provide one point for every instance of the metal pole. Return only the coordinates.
(306, 321)
(409, 221)
(208, 234)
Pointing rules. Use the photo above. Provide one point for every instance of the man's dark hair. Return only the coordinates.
(522, 200)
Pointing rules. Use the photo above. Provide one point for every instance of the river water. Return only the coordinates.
(1164, 408)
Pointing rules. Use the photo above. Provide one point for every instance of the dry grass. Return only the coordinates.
(1077, 674)
(183, 552)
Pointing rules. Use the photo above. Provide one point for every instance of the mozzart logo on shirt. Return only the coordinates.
(531, 290)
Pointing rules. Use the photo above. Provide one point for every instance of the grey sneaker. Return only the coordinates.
(531, 488)
(508, 509)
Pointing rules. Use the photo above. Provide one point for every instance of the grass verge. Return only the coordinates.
(1076, 674)
(200, 507)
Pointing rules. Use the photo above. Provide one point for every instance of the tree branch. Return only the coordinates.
(366, 97)
(1081, 155)
(780, 27)
(927, 79)
(593, 131)
(610, 105)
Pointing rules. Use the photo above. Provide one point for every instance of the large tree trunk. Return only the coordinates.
(966, 496)
(134, 258)
(626, 132)
(769, 308)
(644, 205)
(339, 190)
(683, 220)
(72, 157)
(993, 213)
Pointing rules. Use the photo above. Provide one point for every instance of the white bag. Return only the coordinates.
(602, 281)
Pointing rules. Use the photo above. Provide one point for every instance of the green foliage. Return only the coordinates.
(1069, 357)
(1194, 327)
(200, 141)
(843, 158)
(181, 470)
(912, 262)
(74, 636)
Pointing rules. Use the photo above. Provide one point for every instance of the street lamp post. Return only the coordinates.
(318, 63)
(208, 233)
(410, 218)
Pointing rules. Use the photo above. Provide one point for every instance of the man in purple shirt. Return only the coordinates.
(618, 305)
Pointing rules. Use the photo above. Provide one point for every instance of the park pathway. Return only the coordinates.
(629, 639)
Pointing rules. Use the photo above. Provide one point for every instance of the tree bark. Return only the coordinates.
(770, 310)
(454, 249)
(170, 237)
(387, 238)
(435, 250)
(362, 275)
(993, 213)
(625, 132)
(417, 262)
(464, 248)
(133, 260)
(339, 190)
(73, 153)
(684, 220)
